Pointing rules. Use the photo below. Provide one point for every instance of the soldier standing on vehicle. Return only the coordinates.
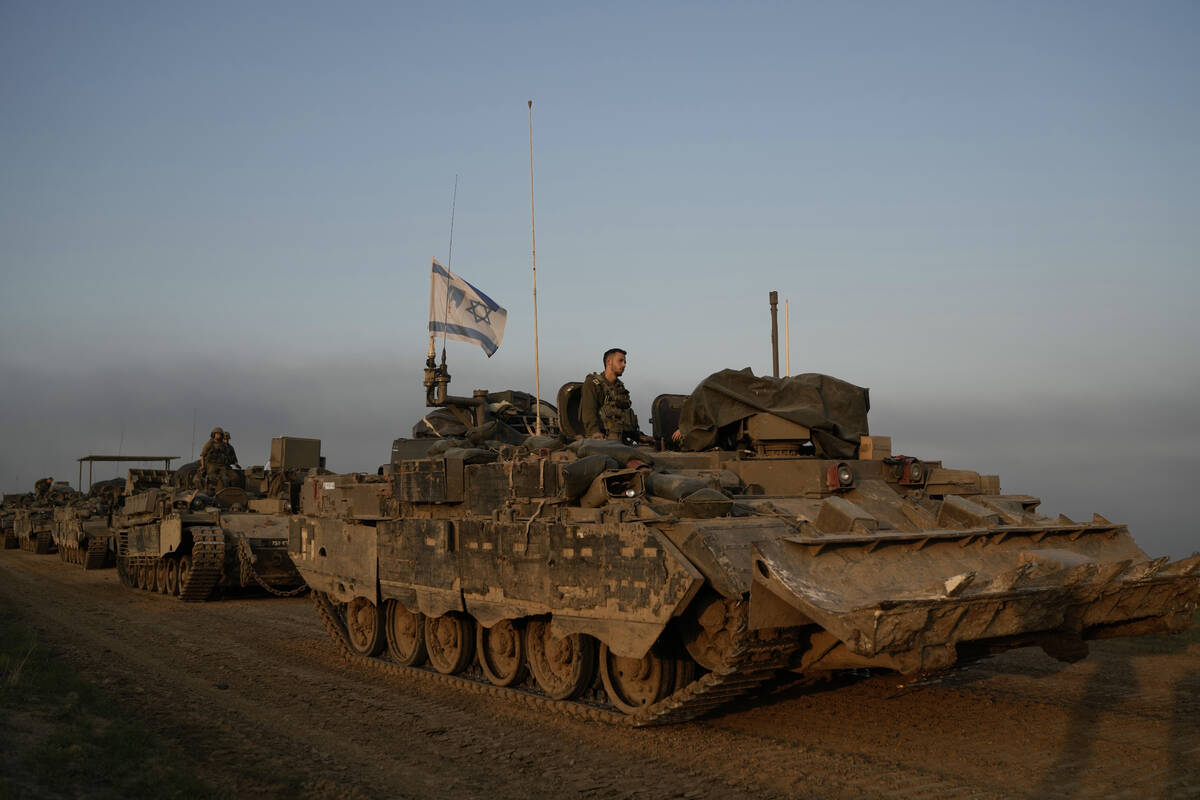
(227, 437)
(41, 490)
(605, 407)
(215, 458)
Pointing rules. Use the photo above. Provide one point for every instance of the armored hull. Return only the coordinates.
(83, 536)
(8, 517)
(170, 543)
(83, 531)
(647, 587)
(185, 543)
(33, 529)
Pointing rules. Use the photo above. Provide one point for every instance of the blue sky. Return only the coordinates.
(985, 212)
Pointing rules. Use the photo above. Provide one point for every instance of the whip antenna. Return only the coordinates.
(449, 261)
(537, 371)
(453, 202)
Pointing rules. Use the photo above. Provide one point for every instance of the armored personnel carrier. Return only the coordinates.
(33, 521)
(33, 529)
(83, 531)
(193, 544)
(620, 583)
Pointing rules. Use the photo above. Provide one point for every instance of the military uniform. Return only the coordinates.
(41, 490)
(605, 408)
(216, 457)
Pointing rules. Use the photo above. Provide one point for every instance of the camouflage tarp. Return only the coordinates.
(834, 410)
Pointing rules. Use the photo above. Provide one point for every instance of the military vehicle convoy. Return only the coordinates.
(646, 587)
(188, 543)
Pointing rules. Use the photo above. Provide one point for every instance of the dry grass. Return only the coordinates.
(60, 737)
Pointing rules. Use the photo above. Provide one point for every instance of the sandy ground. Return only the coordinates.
(254, 690)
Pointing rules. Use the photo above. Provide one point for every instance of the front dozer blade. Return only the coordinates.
(1008, 585)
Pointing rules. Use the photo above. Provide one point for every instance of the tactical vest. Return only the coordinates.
(217, 456)
(616, 408)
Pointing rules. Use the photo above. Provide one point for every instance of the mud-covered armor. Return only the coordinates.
(195, 545)
(687, 579)
(607, 408)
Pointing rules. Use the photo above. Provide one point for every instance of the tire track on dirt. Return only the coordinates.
(1016, 726)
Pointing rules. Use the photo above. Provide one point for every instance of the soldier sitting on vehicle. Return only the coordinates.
(604, 404)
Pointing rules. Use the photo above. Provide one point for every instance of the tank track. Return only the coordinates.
(208, 563)
(249, 575)
(44, 544)
(123, 565)
(72, 554)
(96, 555)
(750, 663)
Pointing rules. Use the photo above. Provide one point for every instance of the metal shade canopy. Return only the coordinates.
(91, 460)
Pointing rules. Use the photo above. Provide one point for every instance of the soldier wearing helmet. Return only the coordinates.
(227, 437)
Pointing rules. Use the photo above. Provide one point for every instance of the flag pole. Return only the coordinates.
(537, 367)
(430, 359)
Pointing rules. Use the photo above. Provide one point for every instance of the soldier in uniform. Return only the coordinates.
(215, 459)
(604, 405)
(41, 490)
(227, 437)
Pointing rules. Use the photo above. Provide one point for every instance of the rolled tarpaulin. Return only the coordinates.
(578, 475)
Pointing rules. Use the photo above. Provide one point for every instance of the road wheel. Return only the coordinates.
(502, 653)
(185, 571)
(634, 683)
(405, 634)
(450, 641)
(563, 668)
(364, 624)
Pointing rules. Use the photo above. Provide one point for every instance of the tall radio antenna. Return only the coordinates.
(453, 202)
(537, 367)
(449, 261)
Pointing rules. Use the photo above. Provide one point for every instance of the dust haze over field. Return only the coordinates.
(1129, 457)
(985, 215)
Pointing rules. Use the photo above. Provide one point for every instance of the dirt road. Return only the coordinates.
(255, 692)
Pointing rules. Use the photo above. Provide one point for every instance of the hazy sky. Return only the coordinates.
(987, 213)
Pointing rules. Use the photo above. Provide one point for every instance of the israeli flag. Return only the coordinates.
(460, 311)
